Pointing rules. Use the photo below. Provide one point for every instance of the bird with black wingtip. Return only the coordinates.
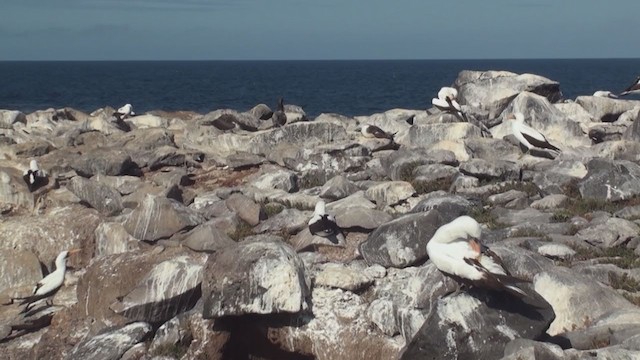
(324, 224)
(34, 177)
(528, 136)
(50, 284)
(456, 250)
(633, 88)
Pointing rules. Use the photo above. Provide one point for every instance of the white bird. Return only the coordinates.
(279, 118)
(605, 93)
(371, 131)
(324, 225)
(34, 177)
(50, 284)
(455, 249)
(528, 136)
(633, 89)
(124, 112)
(447, 102)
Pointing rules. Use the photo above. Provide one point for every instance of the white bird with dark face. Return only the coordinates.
(124, 112)
(34, 177)
(455, 249)
(324, 224)
(528, 136)
(633, 88)
(50, 284)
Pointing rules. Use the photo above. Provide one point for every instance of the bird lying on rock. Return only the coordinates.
(528, 136)
(50, 284)
(372, 131)
(324, 224)
(455, 249)
(605, 93)
(34, 177)
(633, 89)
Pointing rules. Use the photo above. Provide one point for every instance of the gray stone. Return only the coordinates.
(390, 193)
(491, 149)
(450, 330)
(506, 197)
(13, 189)
(277, 179)
(494, 90)
(99, 196)
(556, 251)
(610, 180)
(361, 218)
(113, 238)
(425, 135)
(246, 208)
(290, 221)
(171, 287)
(303, 134)
(516, 217)
(105, 161)
(610, 233)
(254, 278)
(112, 344)
(629, 213)
(207, 237)
(435, 173)
(605, 109)
(549, 202)
(401, 242)
(633, 131)
(491, 170)
(338, 187)
(342, 277)
(261, 111)
(381, 313)
(18, 268)
(601, 132)
(526, 348)
(10, 117)
(449, 206)
(157, 218)
(241, 160)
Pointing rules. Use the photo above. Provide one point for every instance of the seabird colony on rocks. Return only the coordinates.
(528, 136)
(50, 284)
(34, 177)
(324, 224)
(279, 118)
(455, 249)
(633, 89)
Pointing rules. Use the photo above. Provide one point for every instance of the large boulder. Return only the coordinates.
(610, 180)
(158, 217)
(254, 277)
(425, 135)
(303, 134)
(403, 241)
(18, 268)
(99, 196)
(493, 90)
(110, 345)
(605, 109)
(170, 288)
(478, 325)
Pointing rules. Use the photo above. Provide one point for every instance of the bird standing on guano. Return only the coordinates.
(50, 284)
(528, 136)
(279, 118)
(455, 249)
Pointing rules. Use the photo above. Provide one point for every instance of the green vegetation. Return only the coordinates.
(561, 216)
(242, 231)
(623, 282)
(425, 187)
(406, 172)
(272, 209)
(528, 232)
(484, 216)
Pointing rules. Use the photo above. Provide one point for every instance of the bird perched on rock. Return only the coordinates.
(372, 131)
(124, 112)
(279, 118)
(324, 225)
(447, 102)
(51, 283)
(633, 89)
(455, 249)
(34, 176)
(528, 136)
(605, 93)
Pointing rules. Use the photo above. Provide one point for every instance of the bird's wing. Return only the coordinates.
(633, 87)
(495, 280)
(539, 143)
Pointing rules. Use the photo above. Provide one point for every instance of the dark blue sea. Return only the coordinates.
(345, 87)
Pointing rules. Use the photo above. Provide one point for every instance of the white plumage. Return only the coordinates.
(446, 100)
(605, 93)
(526, 135)
(455, 249)
(324, 224)
(124, 112)
(633, 88)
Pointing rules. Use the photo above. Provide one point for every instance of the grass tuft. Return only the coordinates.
(484, 216)
(272, 209)
(425, 187)
(242, 231)
(623, 282)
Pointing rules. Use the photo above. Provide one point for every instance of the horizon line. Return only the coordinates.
(303, 60)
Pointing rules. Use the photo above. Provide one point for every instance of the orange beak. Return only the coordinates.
(73, 251)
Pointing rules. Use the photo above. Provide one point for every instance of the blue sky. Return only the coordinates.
(321, 29)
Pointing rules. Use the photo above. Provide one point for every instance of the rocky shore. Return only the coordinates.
(194, 239)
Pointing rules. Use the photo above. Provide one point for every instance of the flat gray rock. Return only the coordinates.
(605, 109)
(390, 193)
(491, 170)
(111, 344)
(207, 237)
(338, 187)
(361, 218)
(610, 180)
(103, 198)
(247, 209)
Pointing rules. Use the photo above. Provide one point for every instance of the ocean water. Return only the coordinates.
(345, 87)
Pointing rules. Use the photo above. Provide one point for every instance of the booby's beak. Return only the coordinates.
(510, 117)
(73, 251)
